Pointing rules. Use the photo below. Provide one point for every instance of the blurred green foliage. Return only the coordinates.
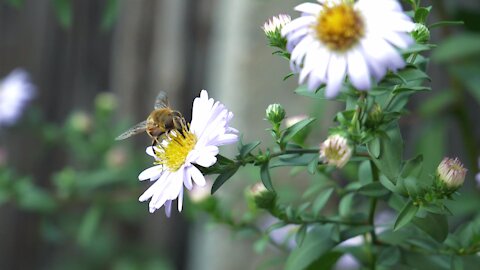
(88, 204)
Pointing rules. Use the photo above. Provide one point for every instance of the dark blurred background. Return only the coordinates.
(69, 192)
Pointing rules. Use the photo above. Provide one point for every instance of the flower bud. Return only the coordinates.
(375, 115)
(257, 189)
(275, 113)
(80, 122)
(106, 101)
(275, 24)
(451, 173)
(273, 29)
(116, 157)
(335, 150)
(420, 33)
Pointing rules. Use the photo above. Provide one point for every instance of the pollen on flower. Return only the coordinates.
(339, 26)
(175, 148)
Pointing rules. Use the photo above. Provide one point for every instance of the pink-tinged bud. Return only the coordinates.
(275, 24)
(336, 150)
(451, 173)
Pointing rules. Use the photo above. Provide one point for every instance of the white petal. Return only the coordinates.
(150, 152)
(297, 23)
(302, 48)
(335, 74)
(151, 173)
(197, 176)
(180, 200)
(309, 8)
(168, 208)
(358, 70)
(187, 181)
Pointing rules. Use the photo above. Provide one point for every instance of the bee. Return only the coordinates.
(161, 120)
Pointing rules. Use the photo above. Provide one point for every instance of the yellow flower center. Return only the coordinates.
(339, 27)
(174, 149)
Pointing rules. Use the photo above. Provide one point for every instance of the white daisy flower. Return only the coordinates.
(15, 91)
(178, 152)
(338, 37)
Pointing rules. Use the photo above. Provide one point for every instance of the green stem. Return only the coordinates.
(371, 217)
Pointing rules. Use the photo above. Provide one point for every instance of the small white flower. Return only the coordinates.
(335, 150)
(338, 37)
(176, 155)
(451, 172)
(275, 24)
(15, 91)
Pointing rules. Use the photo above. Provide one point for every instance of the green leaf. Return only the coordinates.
(437, 103)
(421, 14)
(313, 165)
(406, 215)
(222, 178)
(89, 224)
(300, 235)
(374, 189)
(320, 94)
(365, 173)
(434, 225)
(327, 261)
(63, 10)
(411, 89)
(321, 201)
(346, 204)
(389, 256)
(461, 46)
(374, 147)
(390, 159)
(246, 149)
(445, 23)
(265, 176)
(110, 14)
(297, 160)
(457, 263)
(416, 48)
(317, 242)
(290, 132)
(413, 167)
(412, 73)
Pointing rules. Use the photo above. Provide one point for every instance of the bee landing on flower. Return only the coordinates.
(451, 174)
(335, 38)
(176, 156)
(335, 150)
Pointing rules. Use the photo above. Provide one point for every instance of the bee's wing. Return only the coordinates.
(161, 101)
(138, 128)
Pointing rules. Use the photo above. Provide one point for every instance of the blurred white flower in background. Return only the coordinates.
(179, 151)
(16, 90)
(336, 38)
(477, 177)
